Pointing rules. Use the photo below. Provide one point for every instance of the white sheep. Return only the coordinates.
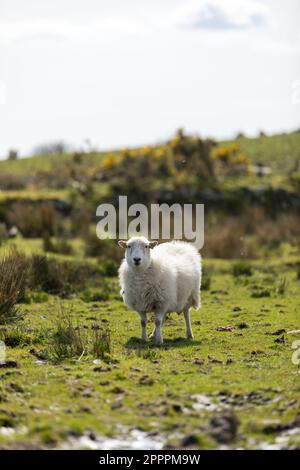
(160, 279)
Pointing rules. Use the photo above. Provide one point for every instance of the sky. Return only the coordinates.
(126, 73)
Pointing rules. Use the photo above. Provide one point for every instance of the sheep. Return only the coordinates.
(160, 279)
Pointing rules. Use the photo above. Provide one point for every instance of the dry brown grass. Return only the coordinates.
(13, 273)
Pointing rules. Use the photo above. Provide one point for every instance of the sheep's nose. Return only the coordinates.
(137, 260)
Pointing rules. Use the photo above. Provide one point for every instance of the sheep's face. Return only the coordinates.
(138, 252)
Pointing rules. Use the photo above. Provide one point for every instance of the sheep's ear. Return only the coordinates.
(122, 243)
(153, 244)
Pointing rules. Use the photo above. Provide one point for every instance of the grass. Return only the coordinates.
(13, 270)
(121, 383)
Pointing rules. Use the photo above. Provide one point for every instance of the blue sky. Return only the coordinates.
(131, 72)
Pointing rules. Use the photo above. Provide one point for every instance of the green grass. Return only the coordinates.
(280, 152)
(151, 388)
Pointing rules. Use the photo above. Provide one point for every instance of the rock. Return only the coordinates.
(280, 340)
(116, 404)
(198, 361)
(223, 428)
(189, 440)
(146, 380)
(9, 364)
(280, 427)
(224, 328)
(278, 332)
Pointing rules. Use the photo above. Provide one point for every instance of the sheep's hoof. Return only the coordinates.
(144, 340)
(190, 336)
(158, 342)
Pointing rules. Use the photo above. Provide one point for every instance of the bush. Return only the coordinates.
(105, 249)
(55, 277)
(35, 220)
(13, 274)
(60, 246)
(109, 268)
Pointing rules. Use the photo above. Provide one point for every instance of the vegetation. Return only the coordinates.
(74, 363)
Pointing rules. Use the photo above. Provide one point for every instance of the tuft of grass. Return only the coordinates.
(241, 268)
(101, 343)
(67, 340)
(13, 272)
(92, 295)
(15, 336)
(206, 280)
(282, 285)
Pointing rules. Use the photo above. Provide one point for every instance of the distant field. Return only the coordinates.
(281, 152)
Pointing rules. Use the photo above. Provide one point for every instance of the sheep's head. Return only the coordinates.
(137, 253)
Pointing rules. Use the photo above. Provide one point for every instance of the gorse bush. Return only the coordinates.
(13, 275)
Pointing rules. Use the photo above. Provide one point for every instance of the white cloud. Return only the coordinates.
(222, 14)
(63, 29)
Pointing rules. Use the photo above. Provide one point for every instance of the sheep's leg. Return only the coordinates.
(143, 316)
(154, 329)
(158, 319)
(189, 333)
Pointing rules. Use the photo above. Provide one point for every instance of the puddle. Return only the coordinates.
(134, 440)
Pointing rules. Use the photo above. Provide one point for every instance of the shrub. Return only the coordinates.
(109, 268)
(13, 273)
(60, 246)
(3, 233)
(56, 277)
(35, 220)
(227, 240)
(105, 249)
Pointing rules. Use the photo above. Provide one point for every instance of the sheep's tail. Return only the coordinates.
(196, 301)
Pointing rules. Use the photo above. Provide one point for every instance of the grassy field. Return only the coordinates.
(76, 374)
(234, 385)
